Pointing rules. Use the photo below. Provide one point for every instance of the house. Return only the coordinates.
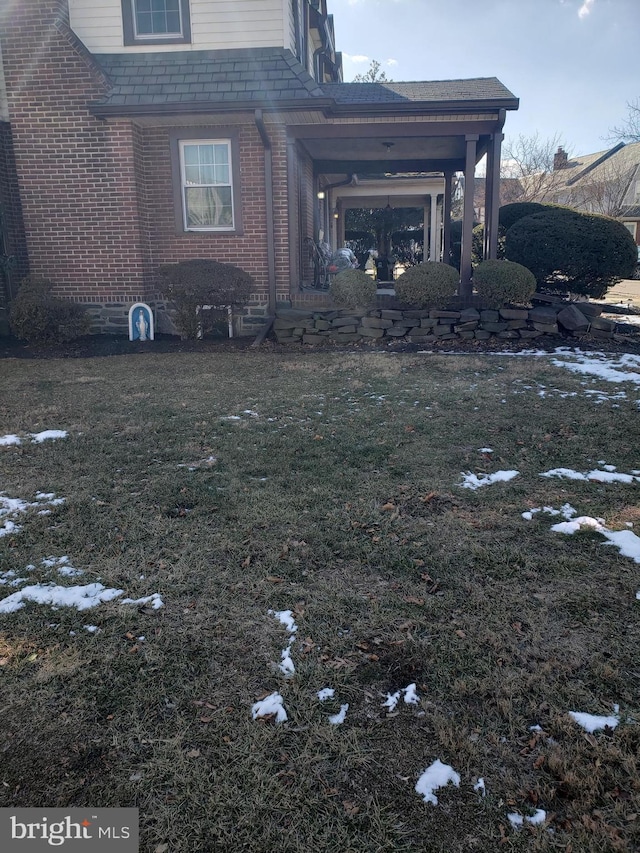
(606, 182)
(144, 132)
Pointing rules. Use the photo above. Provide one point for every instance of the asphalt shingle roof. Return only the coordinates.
(263, 76)
(434, 91)
(220, 76)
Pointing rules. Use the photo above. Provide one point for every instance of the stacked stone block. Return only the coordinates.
(294, 326)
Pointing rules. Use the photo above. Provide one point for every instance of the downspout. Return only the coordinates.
(268, 182)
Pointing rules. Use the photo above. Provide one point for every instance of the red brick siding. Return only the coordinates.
(76, 174)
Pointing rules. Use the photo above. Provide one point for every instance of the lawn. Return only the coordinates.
(288, 522)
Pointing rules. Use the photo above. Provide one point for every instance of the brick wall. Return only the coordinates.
(76, 174)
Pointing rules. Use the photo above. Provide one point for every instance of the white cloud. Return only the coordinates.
(359, 58)
(585, 9)
(391, 62)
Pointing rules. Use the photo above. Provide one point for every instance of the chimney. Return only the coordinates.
(560, 159)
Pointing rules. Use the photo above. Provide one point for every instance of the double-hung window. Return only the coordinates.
(207, 187)
(156, 21)
(205, 165)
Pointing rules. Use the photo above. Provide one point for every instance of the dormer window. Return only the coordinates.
(156, 22)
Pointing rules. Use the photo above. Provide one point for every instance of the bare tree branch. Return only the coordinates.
(629, 130)
(373, 74)
(529, 160)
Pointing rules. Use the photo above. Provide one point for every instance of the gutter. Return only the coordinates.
(268, 182)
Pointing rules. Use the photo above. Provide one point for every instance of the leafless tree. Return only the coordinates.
(529, 161)
(603, 191)
(373, 74)
(629, 130)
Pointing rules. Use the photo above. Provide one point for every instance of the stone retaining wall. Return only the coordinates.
(427, 326)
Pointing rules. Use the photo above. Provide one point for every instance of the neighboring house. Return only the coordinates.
(607, 183)
(151, 131)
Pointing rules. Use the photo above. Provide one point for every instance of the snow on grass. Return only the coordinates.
(285, 617)
(438, 775)
(476, 481)
(480, 786)
(338, 719)
(326, 693)
(485, 450)
(271, 705)
(92, 629)
(154, 600)
(621, 368)
(48, 435)
(81, 597)
(408, 693)
(593, 723)
(12, 508)
(6, 440)
(566, 511)
(517, 820)
(625, 541)
(596, 475)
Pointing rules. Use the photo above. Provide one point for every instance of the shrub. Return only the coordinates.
(477, 246)
(502, 282)
(509, 214)
(40, 318)
(353, 289)
(200, 281)
(428, 285)
(571, 252)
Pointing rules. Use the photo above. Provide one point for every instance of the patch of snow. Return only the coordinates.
(624, 540)
(48, 435)
(595, 475)
(326, 693)
(81, 597)
(9, 578)
(593, 723)
(391, 701)
(485, 450)
(535, 728)
(480, 786)
(338, 719)
(516, 820)
(92, 629)
(285, 617)
(286, 666)
(6, 440)
(473, 481)
(154, 600)
(410, 695)
(12, 508)
(438, 775)
(272, 704)
(566, 511)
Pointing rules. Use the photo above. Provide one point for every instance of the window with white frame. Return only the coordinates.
(156, 21)
(207, 185)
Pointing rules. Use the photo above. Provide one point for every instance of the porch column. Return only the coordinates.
(467, 217)
(492, 195)
(446, 216)
(433, 243)
(425, 235)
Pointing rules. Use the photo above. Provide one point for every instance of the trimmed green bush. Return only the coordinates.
(502, 282)
(40, 318)
(353, 289)
(571, 252)
(509, 214)
(477, 246)
(428, 285)
(200, 281)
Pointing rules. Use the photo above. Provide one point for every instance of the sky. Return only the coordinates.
(572, 63)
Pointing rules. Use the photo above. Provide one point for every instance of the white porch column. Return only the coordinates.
(433, 243)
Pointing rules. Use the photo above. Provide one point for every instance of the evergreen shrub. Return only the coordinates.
(502, 283)
(428, 285)
(353, 289)
(40, 318)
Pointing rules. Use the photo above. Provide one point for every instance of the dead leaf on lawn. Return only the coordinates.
(274, 579)
(388, 507)
(193, 753)
(161, 848)
(350, 808)
(411, 599)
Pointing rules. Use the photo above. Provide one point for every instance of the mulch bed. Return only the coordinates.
(101, 346)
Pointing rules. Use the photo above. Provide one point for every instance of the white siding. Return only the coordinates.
(215, 25)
